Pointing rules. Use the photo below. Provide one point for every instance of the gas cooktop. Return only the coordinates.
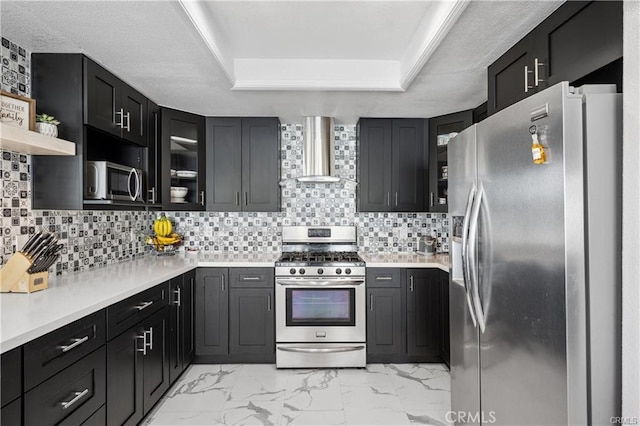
(306, 258)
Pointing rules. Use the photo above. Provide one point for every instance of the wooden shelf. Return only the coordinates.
(27, 142)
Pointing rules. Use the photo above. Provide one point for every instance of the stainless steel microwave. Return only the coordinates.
(111, 181)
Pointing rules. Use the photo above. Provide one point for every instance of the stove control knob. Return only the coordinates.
(347, 271)
(338, 271)
(301, 271)
(320, 271)
(292, 271)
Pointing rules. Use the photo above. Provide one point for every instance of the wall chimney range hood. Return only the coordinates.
(318, 150)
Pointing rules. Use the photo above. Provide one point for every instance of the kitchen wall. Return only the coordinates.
(99, 238)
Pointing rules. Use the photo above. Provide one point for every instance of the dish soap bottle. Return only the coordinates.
(537, 150)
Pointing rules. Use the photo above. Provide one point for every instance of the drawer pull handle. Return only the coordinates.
(178, 293)
(76, 342)
(149, 344)
(76, 398)
(144, 343)
(144, 305)
(250, 278)
(383, 278)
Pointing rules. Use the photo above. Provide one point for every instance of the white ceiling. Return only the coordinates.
(346, 59)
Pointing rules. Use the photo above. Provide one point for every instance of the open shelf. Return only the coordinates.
(27, 142)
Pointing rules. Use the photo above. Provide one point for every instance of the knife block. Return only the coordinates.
(14, 277)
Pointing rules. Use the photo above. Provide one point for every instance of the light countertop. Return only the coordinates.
(406, 260)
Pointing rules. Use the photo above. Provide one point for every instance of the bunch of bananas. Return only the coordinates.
(164, 235)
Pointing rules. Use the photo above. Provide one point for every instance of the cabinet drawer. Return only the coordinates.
(251, 277)
(129, 312)
(384, 277)
(55, 351)
(11, 375)
(71, 396)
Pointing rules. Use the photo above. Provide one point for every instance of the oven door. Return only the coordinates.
(316, 309)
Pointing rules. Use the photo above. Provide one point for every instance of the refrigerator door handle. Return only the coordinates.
(465, 257)
(473, 258)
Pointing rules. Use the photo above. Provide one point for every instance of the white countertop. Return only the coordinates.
(25, 317)
(406, 260)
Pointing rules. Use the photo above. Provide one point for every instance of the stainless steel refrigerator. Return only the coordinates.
(535, 311)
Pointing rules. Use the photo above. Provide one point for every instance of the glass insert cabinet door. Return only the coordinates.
(183, 165)
(320, 307)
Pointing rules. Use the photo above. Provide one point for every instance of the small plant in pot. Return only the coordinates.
(47, 125)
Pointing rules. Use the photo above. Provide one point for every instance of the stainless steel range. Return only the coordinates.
(320, 299)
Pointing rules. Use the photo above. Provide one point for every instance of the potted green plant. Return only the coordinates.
(47, 125)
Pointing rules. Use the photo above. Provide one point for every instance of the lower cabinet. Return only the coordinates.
(11, 414)
(182, 337)
(445, 345)
(404, 322)
(235, 315)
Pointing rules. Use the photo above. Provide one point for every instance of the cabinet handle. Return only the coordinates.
(246, 198)
(396, 198)
(121, 122)
(268, 303)
(536, 72)
(431, 199)
(152, 199)
(202, 198)
(371, 302)
(76, 342)
(144, 305)
(383, 278)
(388, 199)
(223, 282)
(237, 198)
(128, 126)
(149, 344)
(144, 343)
(178, 293)
(76, 398)
(526, 79)
(250, 278)
(411, 283)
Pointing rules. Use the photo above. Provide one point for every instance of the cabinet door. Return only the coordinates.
(11, 414)
(11, 370)
(384, 323)
(183, 160)
(175, 329)
(511, 77)
(252, 323)
(152, 182)
(374, 166)
(134, 105)
(212, 311)
(102, 98)
(577, 39)
(224, 161)
(440, 132)
(187, 306)
(156, 360)
(423, 314)
(408, 165)
(261, 164)
(444, 313)
(125, 378)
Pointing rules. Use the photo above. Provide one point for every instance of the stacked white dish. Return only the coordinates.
(178, 194)
(186, 173)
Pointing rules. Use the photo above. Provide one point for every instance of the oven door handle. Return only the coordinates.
(312, 283)
(321, 350)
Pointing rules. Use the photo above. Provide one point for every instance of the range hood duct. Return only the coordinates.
(318, 150)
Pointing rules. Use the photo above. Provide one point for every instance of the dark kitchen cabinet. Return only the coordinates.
(392, 164)
(212, 313)
(445, 345)
(11, 414)
(138, 369)
(385, 326)
(441, 130)
(182, 159)
(153, 183)
(423, 314)
(574, 42)
(113, 106)
(243, 163)
(182, 338)
(11, 392)
(252, 315)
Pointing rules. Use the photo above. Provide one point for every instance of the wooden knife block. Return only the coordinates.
(14, 277)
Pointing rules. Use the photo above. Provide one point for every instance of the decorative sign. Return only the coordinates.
(18, 111)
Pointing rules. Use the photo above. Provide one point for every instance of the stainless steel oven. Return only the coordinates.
(320, 299)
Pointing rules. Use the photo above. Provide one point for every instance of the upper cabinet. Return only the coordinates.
(441, 129)
(575, 43)
(182, 160)
(243, 164)
(392, 158)
(113, 106)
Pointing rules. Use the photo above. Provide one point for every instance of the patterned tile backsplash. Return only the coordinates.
(95, 238)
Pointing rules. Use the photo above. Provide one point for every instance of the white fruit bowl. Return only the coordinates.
(179, 192)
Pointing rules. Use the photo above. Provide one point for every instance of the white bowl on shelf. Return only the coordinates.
(179, 192)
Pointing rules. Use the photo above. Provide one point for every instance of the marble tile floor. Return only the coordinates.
(259, 394)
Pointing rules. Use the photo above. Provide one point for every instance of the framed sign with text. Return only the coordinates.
(18, 111)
